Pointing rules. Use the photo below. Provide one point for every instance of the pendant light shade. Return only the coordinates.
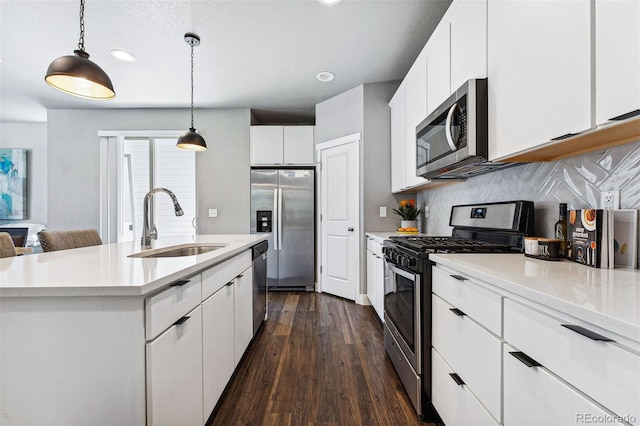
(79, 76)
(192, 139)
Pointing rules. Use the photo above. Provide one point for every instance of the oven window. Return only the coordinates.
(399, 307)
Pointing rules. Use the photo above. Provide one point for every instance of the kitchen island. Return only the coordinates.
(95, 336)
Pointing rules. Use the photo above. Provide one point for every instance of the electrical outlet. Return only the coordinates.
(610, 200)
(213, 212)
(426, 211)
(383, 211)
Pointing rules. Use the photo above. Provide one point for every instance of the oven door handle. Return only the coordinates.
(401, 272)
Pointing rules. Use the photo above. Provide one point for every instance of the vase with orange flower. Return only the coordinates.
(409, 213)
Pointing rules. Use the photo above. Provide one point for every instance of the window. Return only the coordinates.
(133, 164)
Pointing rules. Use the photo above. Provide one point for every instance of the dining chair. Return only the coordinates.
(63, 240)
(7, 248)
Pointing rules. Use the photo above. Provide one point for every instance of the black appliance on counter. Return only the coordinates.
(477, 228)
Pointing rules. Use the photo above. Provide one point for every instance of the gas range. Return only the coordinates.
(477, 228)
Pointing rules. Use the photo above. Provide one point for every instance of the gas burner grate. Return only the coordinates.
(431, 244)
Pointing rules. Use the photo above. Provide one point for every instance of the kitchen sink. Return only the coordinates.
(179, 251)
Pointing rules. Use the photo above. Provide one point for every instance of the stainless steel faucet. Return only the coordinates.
(149, 231)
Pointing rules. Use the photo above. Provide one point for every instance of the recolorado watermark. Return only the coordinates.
(604, 418)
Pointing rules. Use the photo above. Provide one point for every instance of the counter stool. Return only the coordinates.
(63, 240)
(7, 248)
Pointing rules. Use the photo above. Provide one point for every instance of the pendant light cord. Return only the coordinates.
(81, 41)
(191, 84)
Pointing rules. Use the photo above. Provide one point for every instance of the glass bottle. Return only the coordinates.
(561, 229)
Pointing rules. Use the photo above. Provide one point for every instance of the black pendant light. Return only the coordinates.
(192, 139)
(77, 75)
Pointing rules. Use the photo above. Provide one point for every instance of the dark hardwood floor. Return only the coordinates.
(317, 360)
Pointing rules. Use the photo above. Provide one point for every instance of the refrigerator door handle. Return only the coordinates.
(280, 219)
(275, 219)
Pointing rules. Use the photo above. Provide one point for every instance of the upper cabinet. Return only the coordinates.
(398, 141)
(438, 68)
(282, 145)
(617, 58)
(538, 73)
(468, 26)
(415, 84)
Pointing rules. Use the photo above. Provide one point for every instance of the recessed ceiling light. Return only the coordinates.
(329, 2)
(123, 55)
(325, 76)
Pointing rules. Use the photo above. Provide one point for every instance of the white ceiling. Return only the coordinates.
(262, 54)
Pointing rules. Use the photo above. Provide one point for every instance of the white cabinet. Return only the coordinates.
(376, 275)
(539, 65)
(500, 357)
(468, 40)
(243, 312)
(415, 84)
(534, 396)
(174, 373)
(398, 140)
(580, 354)
(617, 58)
(464, 315)
(282, 145)
(218, 333)
(438, 72)
(408, 109)
(452, 398)
(227, 323)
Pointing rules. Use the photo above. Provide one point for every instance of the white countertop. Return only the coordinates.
(107, 270)
(607, 298)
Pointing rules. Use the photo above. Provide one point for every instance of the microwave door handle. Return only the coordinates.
(452, 143)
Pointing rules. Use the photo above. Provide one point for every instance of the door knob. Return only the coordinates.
(350, 229)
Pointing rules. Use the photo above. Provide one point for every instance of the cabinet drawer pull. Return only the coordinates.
(232, 282)
(626, 115)
(457, 311)
(525, 359)
(180, 283)
(181, 320)
(457, 379)
(459, 277)
(568, 135)
(239, 276)
(587, 333)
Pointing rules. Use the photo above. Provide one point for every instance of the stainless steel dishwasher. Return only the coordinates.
(259, 284)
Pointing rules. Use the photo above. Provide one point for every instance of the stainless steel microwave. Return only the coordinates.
(452, 142)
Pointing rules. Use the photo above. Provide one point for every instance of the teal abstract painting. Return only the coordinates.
(13, 183)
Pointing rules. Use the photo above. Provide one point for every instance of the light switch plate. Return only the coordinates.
(213, 212)
(383, 211)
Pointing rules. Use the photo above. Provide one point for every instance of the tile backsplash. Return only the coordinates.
(576, 181)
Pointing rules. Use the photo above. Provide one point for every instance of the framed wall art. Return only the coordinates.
(13, 183)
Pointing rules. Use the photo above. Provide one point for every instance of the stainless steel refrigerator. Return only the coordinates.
(282, 203)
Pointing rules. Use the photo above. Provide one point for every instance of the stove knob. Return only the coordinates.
(404, 261)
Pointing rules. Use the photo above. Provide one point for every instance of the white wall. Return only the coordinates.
(74, 163)
(32, 137)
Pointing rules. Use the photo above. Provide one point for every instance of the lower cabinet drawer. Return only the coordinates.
(453, 401)
(221, 274)
(604, 370)
(471, 351)
(481, 304)
(174, 374)
(168, 306)
(533, 396)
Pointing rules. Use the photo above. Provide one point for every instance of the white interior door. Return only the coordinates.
(340, 220)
